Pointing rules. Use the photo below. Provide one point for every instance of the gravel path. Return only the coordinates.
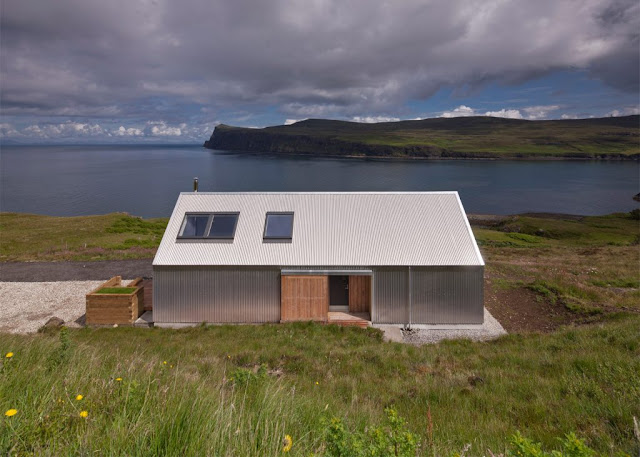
(490, 330)
(77, 271)
(26, 306)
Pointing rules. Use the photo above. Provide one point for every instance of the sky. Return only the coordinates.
(136, 71)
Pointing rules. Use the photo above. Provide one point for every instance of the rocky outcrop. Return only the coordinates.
(261, 140)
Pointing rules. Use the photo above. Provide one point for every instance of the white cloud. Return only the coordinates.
(7, 130)
(627, 111)
(151, 130)
(160, 128)
(506, 113)
(374, 119)
(540, 111)
(568, 116)
(67, 129)
(131, 131)
(292, 121)
(460, 111)
(465, 111)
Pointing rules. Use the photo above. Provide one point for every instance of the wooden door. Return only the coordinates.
(304, 298)
(359, 294)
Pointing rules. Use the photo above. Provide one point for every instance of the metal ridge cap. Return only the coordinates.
(426, 192)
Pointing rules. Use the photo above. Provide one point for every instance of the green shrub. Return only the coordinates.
(524, 237)
(243, 376)
(130, 224)
(391, 439)
(572, 446)
(64, 353)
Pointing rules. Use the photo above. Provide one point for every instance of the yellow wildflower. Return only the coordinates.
(288, 442)
(317, 383)
(84, 414)
(9, 355)
(11, 412)
(164, 363)
(118, 379)
(79, 397)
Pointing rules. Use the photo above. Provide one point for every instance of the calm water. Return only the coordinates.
(146, 180)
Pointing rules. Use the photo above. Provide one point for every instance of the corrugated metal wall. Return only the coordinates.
(390, 291)
(188, 294)
(439, 295)
(447, 295)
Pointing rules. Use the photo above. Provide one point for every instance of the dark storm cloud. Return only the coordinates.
(347, 57)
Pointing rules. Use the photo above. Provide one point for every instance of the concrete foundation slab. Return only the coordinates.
(429, 334)
(176, 325)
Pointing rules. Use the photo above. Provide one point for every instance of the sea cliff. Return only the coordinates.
(472, 137)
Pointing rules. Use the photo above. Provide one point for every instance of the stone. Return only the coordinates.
(53, 322)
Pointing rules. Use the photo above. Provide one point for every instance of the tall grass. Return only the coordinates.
(228, 390)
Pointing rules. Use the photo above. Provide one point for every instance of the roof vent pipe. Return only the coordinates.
(195, 184)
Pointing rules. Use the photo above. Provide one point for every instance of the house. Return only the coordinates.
(385, 257)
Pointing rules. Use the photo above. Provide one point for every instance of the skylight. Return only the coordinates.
(221, 226)
(194, 225)
(278, 227)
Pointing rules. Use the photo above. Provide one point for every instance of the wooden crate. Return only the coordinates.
(121, 309)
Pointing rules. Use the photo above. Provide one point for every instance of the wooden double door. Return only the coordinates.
(308, 297)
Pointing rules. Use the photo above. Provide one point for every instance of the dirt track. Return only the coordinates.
(74, 271)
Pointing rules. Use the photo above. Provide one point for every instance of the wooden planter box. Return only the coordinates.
(115, 308)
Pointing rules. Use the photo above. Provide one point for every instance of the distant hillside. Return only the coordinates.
(464, 137)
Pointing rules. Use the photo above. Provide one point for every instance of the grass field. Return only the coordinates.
(238, 390)
(566, 287)
(30, 237)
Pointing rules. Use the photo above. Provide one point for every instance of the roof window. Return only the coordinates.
(223, 225)
(220, 226)
(278, 227)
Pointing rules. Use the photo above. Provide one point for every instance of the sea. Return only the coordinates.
(145, 180)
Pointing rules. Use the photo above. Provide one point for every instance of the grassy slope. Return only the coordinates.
(583, 380)
(28, 237)
(482, 136)
(588, 265)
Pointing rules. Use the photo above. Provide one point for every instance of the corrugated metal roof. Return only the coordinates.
(330, 228)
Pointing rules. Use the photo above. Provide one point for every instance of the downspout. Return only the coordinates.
(410, 300)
